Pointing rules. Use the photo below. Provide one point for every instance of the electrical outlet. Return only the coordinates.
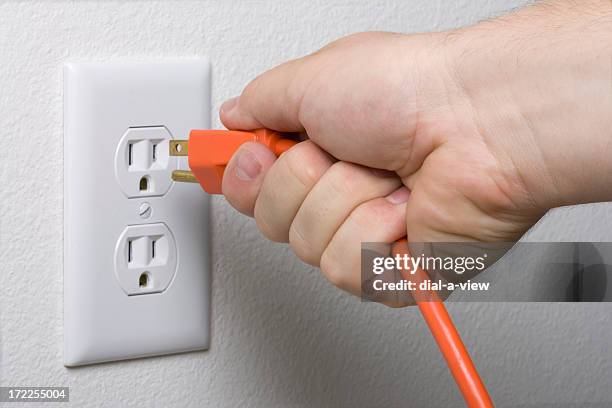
(143, 166)
(145, 259)
(136, 244)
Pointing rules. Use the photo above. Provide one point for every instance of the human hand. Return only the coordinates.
(454, 136)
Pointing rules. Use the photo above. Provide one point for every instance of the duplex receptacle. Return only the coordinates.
(136, 244)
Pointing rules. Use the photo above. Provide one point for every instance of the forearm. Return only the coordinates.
(539, 83)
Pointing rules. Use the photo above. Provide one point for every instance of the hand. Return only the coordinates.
(468, 135)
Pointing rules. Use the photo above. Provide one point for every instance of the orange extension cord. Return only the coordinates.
(446, 335)
(455, 354)
(208, 153)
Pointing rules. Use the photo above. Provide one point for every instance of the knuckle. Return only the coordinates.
(345, 178)
(306, 163)
(266, 210)
(272, 232)
(374, 213)
(332, 269)
(251, 89)
(301, 247)
(294, 94)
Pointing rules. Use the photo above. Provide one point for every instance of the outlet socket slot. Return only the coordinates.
(143, 184)
(144, 281)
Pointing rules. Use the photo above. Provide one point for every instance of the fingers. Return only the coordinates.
(271, 100)
(326, 94)
(341, 189)
(378, 220)
(245, 174)
(286, 186)
(325, 209)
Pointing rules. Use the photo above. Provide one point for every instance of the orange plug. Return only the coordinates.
(209, 151)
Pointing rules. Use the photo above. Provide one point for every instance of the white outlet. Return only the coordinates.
(143, 166)
(136, 244)
(145, 259)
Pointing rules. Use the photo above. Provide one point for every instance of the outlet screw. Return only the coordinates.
(145, 210)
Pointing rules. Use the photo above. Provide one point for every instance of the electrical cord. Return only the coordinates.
(448, 339)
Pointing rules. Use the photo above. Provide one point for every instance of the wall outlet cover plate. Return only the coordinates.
(136, 245)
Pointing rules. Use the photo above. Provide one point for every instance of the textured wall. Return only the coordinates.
(281, 335)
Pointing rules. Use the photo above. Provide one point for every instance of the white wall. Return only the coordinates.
(281, 336)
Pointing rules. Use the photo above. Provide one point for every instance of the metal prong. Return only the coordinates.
(178, 147)
(184, 176)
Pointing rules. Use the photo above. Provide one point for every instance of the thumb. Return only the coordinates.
(244, 176)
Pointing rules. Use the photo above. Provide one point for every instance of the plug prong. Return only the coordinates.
(178, 147)
(184, 176)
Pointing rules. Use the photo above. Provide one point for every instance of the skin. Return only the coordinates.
(465, 135)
